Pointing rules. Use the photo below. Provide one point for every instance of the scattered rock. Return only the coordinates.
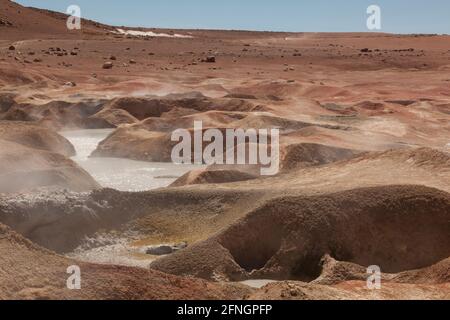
(108, 65)
(165, 249)
(209, 59)
(5, 23)
(12, 48)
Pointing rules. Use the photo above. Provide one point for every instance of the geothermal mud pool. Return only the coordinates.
(121, 174)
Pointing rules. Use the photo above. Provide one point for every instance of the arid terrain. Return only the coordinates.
(364, 178)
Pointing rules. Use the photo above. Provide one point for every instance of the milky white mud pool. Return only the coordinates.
(121, 174)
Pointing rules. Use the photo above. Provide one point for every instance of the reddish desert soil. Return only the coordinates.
(364, 121)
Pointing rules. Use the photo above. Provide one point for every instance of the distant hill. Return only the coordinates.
(17, 21)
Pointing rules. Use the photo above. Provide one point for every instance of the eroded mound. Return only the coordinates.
(111, 118)
(134, 142)
(125, 142)
(395, 227)
(259, 121)
(23, 168)
(207, 176)
(406, 166)
(310, 154)
(143, 108)
(59, 114)
(171, 122)
(92, 113)
(36, 137)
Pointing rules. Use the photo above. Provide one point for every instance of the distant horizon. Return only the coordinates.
(296, 16)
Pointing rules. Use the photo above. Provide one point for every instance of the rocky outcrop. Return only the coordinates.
(57, 114)
(111, 118)
(302, 155)
(33, 136)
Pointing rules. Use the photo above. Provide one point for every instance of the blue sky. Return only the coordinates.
(398, 16)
